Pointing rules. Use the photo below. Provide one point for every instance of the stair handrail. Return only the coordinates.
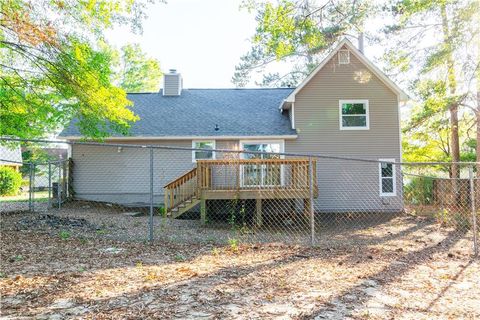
(177, 192)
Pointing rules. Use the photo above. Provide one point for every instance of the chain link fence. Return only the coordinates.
(158, 193)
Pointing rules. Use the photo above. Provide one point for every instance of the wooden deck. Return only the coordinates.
(240, 179)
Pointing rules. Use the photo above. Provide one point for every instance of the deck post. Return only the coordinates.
(312, 213)
(258, 213)
(203, 211)
(165, 202)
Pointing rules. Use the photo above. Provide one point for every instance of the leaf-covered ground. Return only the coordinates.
(48, 275)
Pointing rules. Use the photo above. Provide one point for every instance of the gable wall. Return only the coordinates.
(347, 185)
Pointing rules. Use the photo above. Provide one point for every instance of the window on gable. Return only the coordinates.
(354, 115)
(203, 154)
(343, 57)
(387, 177)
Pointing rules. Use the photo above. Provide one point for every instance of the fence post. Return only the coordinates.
(150, 234)
(59, 186)
(474, 209)
(33, 187)
(49, 184)
(312, 213)
(30, 187)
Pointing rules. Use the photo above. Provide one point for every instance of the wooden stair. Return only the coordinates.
(183, 207)
(196, 186)
(181, 194)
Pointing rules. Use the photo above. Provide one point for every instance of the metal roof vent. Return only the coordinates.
(172, 83)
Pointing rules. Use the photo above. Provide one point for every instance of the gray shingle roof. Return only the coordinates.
(238, 112)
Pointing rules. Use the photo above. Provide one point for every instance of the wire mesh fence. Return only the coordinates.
(182, 194)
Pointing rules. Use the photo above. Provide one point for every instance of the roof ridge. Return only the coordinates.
(239, 88)
(232, 89)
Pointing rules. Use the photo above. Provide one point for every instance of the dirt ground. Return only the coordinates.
(410, 273)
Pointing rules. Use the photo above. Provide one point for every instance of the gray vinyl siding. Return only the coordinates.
(102, 173)
(348, 185)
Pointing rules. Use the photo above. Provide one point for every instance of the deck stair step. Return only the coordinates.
(184, 207)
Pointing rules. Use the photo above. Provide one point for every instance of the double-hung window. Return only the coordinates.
(203, 154)
(387, 179)
(354, 115)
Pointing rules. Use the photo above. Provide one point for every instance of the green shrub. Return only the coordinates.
(162, 211)
(10, 181)
(419, 191)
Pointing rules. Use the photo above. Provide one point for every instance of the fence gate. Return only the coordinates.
(47, 186)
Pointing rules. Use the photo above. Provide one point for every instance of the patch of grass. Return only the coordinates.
(179, 257)
(101, 231)
(233, 243)
(64, 235)
(40, 196)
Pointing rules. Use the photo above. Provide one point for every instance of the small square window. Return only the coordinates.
(203, 154)
(354, 115)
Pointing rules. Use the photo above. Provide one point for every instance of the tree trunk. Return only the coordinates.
(477, 174)
(453, 108)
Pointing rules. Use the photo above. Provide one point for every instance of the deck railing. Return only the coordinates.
(248, 174)
(182, 189)
(273, 176)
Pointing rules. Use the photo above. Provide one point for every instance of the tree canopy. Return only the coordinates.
(430, 46)
(53, 67)
(135, 72)
(296, 33)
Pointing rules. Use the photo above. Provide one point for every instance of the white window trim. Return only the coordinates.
(380, 178)
(194, 160)
(293, 116)
(367, 114)
(282, 149)
(281, 142)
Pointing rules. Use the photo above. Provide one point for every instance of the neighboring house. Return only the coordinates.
(11, 157)
(346, 107)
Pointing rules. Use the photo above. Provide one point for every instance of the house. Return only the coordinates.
(345, 108)
(11, 157)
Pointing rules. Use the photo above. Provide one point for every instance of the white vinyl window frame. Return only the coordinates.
(381, 178)
(194, 145)
(282, 150)
(341, 115)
